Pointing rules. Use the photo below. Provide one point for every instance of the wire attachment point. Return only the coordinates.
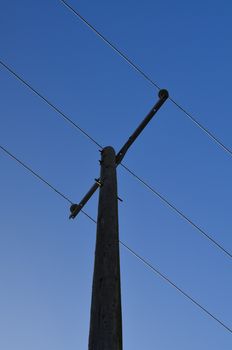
(163, 93)
(74, 209)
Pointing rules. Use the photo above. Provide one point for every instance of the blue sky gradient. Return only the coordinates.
(46, 261)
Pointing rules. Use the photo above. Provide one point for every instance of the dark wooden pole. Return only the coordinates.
(106, 318)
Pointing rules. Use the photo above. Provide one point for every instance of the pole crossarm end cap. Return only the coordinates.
(163, 93)
(74, 209)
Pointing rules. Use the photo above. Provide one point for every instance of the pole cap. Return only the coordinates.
(74, 209)
(163, 93)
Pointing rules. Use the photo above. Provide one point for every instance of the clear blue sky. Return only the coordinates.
(46, 261)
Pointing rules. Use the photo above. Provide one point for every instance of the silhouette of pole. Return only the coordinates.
(106, 318)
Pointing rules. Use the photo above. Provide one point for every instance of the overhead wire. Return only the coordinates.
(147, 77)
(49, 103)
(145, 262)
(35, 173)
(203, 128)
(39, 177)
(155, 270)
(175, 209)
(140, 258)
(119, 52)
(68, 119)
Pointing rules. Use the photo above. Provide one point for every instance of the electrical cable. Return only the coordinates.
(125, 167)
(144, 261)
(119, 52)
(178, 211)
(123, 244)
(56, 109)
(155, 270)
(39, 177)
(87, 135)
(35, 174)
(207, 131)
(147, 77)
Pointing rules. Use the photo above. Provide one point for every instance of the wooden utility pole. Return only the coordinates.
(106, 318)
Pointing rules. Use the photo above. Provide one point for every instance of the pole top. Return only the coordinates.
(108, 149)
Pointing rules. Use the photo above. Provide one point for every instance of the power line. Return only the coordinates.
(35, 174)
(165, 278)
(49, 103)
(144, 261)
(177, 211)
(155, 270)
(39, 177)
(67, 119)
(147, 264)
(95, 142)
(209, 133)
(147, 77)
(119, 52)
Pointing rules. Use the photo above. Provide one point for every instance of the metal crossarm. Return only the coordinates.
(163, 96)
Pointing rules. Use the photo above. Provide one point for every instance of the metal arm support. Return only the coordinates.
(76, 208)
(163, 96)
